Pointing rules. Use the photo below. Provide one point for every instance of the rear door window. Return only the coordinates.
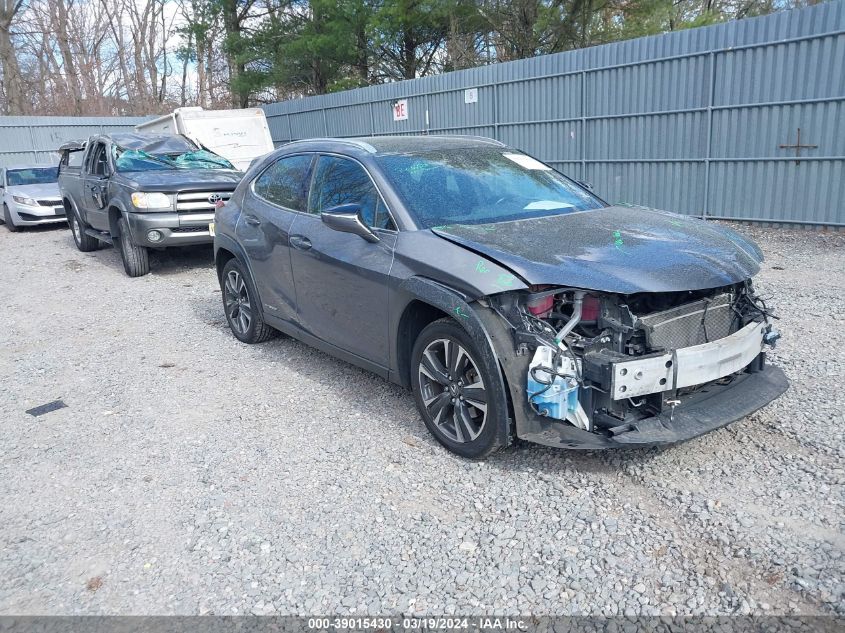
(285, 182)
(71, 161)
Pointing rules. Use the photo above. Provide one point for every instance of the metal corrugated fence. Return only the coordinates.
(693, 121)
(27, 140)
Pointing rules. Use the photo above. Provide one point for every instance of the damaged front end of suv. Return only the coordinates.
(602, 369)
(649, 334)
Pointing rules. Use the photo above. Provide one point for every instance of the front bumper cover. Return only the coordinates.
(176, 230)
(710, 408)
(713, 407)
(26, 215)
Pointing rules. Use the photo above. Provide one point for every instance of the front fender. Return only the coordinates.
(465, 313)
(116, 204)
(449, 301)
(454, 266)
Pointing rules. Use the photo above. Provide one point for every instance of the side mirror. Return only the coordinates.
(585, 184)
(346, 218)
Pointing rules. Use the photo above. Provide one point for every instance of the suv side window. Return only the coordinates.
(285, 182)
(344, 181)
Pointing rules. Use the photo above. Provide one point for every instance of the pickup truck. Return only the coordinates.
(142, 192)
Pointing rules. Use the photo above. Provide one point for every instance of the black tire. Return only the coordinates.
(136, 259)
(449, 405)
(241, 306)
(7, 218)
(83, 241)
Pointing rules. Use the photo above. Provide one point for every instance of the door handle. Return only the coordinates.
(252, 220)
(300, 241)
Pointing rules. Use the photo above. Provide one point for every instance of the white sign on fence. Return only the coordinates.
(400, 110)
(471, 95)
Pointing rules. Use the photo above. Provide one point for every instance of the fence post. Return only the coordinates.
(372, 120)
(710, 98)
(583, 136)
(325, 122)
(290, 128)
(32, 140)
(496, 111)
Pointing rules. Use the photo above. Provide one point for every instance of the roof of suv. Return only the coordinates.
(407, 144)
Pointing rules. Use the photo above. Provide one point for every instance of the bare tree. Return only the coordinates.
(12, 81)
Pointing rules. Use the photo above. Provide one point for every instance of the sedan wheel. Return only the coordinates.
(459, 391)
(7, 219)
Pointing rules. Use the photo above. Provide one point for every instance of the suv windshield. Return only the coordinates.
(139, 160)
(36, 176)
(480, 186)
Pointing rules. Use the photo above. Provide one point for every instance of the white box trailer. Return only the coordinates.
(237, 135)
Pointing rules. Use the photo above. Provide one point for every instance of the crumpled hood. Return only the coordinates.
(45, 191)
(614, 249)
(174, 180)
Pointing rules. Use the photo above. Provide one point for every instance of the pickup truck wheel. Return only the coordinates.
(136, 259)
(240, 304)
(7, 218)
(84, 242)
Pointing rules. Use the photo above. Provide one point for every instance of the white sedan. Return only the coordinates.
(30, 196)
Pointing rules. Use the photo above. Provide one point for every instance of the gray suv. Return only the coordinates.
(510, 299)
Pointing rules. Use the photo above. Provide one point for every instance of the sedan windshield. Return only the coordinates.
(481, 186)
(36, 176)
(139, 160)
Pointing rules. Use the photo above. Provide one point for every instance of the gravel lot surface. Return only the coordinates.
(192, 474)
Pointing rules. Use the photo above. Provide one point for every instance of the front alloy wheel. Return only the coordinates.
(452, 390)
(459, 390)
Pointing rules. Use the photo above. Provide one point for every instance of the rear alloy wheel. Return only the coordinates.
(136, 259)
(452, 391)
(239, 302)
(83, 241)
(7, 218)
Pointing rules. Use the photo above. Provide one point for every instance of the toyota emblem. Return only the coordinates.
(214, 198)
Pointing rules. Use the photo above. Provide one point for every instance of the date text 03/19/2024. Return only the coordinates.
(479, 623)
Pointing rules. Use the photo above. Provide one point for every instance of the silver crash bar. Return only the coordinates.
(687, 366)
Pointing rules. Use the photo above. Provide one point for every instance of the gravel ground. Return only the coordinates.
(192, 474)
